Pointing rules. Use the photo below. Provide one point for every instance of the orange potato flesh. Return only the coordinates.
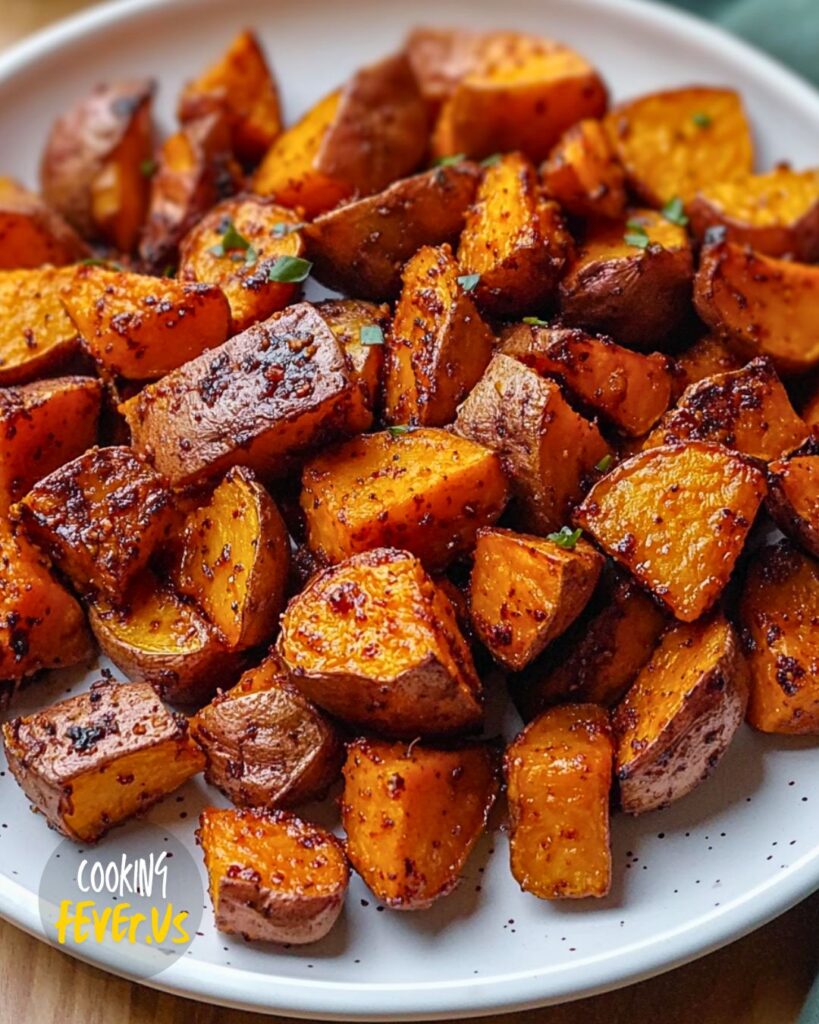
(412, 815)
(705, 358)
(440, 58)
(438, 346)
(676, 517)
(673, 143)
(583, 173)
(793, 498)
(31, 234)
(558, 773)
(778, 611)
(411, 489)
(525, 592)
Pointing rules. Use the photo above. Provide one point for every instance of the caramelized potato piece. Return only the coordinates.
(630, 390)
(31, 234)
(424, 489)
(241, 86)
(810, 411)
(266, 234)
(583, 173)
(100, 517)
(545, 446)
(92, 170)
(675, 142)
(272, 877)
(44, 425)
(265, 745)
(525, 591)
(361, 329)
(793, 498)
(361, 246)
(440, 58)
(438, 347)
(412, 815)
(776, 214)
(141, 327)
(630, 278)
(678, 719)
(558, 774)
(376, 643)
(705, 358)
(676, 517)
(763, 306)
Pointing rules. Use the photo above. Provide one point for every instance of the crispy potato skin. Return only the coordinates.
(558, 774)
(781, 632)
(676, 517)
(440, 58)
(361, 247)
(272, 877)
(376, 643)
(412, 815)
(583, 173)
(793, 498)
(265, 744)
(675, 142)
(707, 357)
(427, 490)
(347, 318)
(546, 448)
(629, 389)
(763, 306)
(525, 591)
(637, 295)
(93, 761)
(31, 234)
(438, 346)
(678, 719)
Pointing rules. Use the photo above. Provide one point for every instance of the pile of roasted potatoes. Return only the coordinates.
(539, 440)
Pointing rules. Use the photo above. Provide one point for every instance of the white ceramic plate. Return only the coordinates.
(740, 850)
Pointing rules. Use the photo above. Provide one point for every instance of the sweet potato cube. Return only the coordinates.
(793, 496)
(271, 876)
(425, 490)
(779, 616)
(558, 774)
(583, 173)
(707, 357)
(361, 329)
(412, 815)
(676, 517)
(93, 761)
(525, 591)
(438, 347)
(31, 233)
(376, 643)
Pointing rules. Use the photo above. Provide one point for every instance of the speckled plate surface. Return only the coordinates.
(740, 850)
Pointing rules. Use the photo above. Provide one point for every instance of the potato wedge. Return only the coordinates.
(558, 774)
(584, 174)
(675, 142)
(141, 327)
(412, 815)
(525, 591)
(631, 279)
(424, 489)
(678, 719)
(676, 517)
(265, 744)
(31, 233)
(272, 877)
(547, 449)
(629, 389)
(92, 169)
(438, 347)
(440, 58)
(361, 246)
(810, 411)
(375, 642)
(93, 761)
(707, 357)
(763, 306)
(243, 245)
(793, 497)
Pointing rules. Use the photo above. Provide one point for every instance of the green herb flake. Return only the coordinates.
(636, 235)
(535, 321)
(282, 229)
(469, 282)
(93, 261)
(701, 119)
(232, 241)
(147, 168)
(399, 431)
(604, 465)
(169, 271)
(674, 211)
(290, 270)
(371, 335)
(567, 538)
(492, 161)
(448, 161)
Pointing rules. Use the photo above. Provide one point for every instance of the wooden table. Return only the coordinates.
(761, 979)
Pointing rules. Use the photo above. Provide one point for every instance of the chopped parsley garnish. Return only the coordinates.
(233, 244)
(636, 234)
(371, 335)
(492, 161)
(448, 161)
(674, 211)
(93, 261)
(701, 119)
(282, 229)
(605, 463)
(535, 321)
(169, 271)
(567, 538)
(399, 431)
(147, 168)
(290, 270)
(469, 282)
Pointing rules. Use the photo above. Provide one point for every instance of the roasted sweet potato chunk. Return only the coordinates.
(272, 876)
(676, 517)
(630, 390)
(675, 142)
(525, 591)
(558, 774)
(793, 497)
(707, 357)
(583, 173)
(514, 240)
(438, 347)
(545, 446)
(678, 719)
(376, 643)
(412, 815)
(424, 489)
(764, 306)
(31, 234)
(93, 761)
(779, 616)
